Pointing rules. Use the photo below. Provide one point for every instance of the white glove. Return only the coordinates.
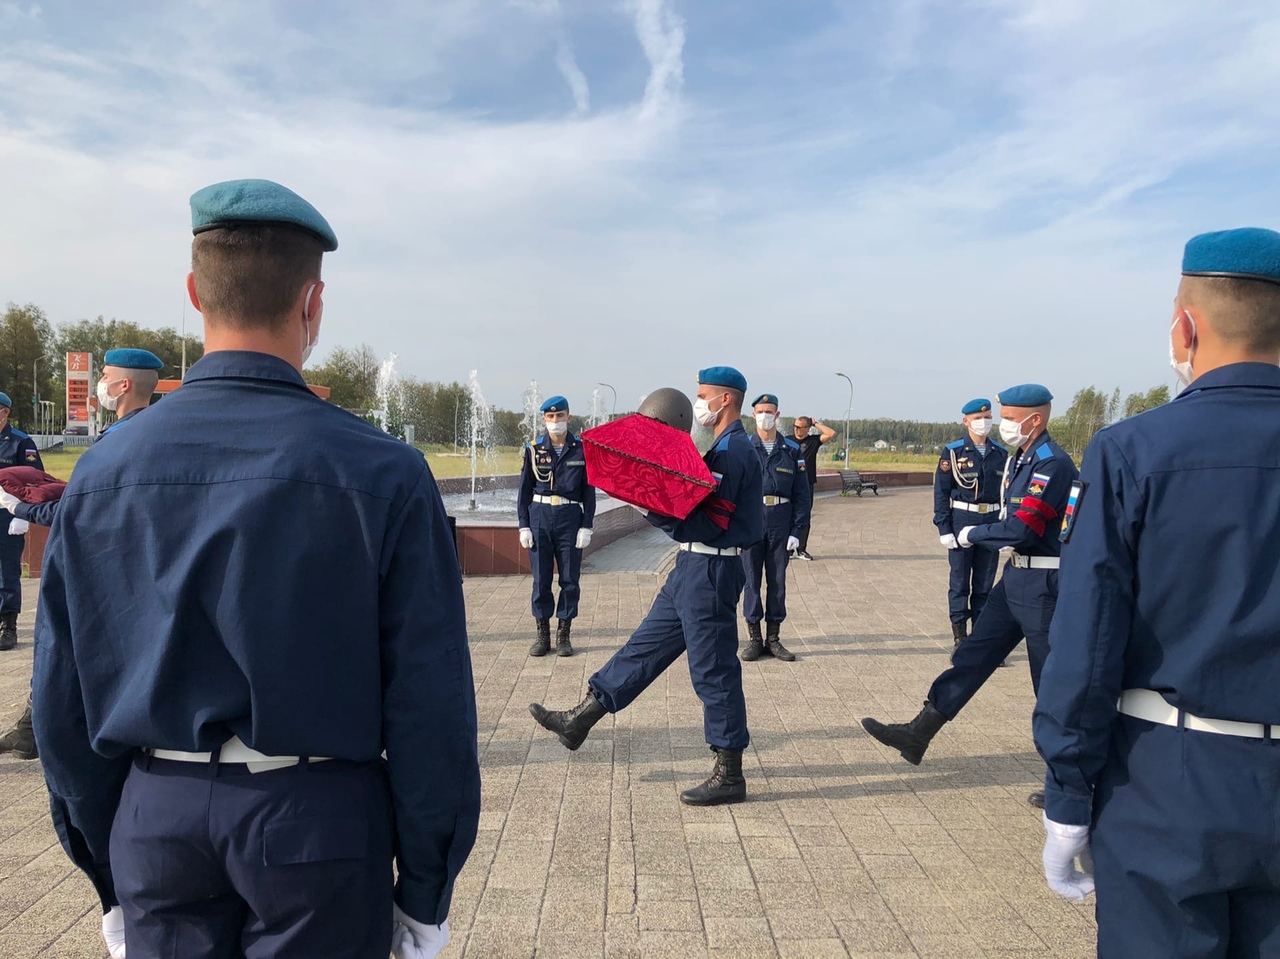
(8, 500)
(949, 541)
(411, 939)
(1061, 847)
(113, 932)
(963, 538)
(18, 527)
(584, 538)
(526, 537)
(793, 543)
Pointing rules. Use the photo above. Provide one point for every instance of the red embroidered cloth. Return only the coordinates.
(649, 464)
(31, 485)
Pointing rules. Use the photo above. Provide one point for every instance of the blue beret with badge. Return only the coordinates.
(224, 206)
(977, 406)
(1026, 395)
(765, 398)
(722, 376)
(555, 404)
(5, 402)
(133, 359)
(1250, 253)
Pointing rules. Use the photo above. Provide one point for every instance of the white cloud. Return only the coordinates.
(572, 74)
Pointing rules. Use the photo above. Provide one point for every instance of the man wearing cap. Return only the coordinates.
(1033, 499)
(1158, 714)
(966, 492)
(556, 507)
(221, 683)
(697, 610)
(16, 449)
(809, 442)
(788, 499)
(129, 377)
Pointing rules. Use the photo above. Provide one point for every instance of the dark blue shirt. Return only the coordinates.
(247, 560)
(965, 474)
(784, 473)
(1036, 484)
(1169, 576)
(16, 449)
(565, 475)
(733, 515)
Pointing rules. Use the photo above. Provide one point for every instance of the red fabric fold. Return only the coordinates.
(31, 485)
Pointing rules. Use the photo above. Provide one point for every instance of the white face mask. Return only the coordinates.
(558, 429)
(106, 401)
(1011, 432)
(308, 344)
(1184, 371)
(766, 421)
(980, 427)
(703, 414)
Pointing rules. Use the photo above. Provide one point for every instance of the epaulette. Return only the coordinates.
(958, 444)
(1044, 453)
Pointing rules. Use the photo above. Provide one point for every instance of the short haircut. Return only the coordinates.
(248, 277)
(804, 421)
(738, 396)
(144, 382)
(1244, 312)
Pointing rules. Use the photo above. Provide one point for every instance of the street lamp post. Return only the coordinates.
(846, 419)
(615, 399)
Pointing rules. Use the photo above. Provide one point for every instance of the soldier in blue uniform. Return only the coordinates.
(966, 492)
(556, 508)
(16, 449)
(249, 595)
(788, 500)
(1158, 713)
(1037, 482)
(697, 610)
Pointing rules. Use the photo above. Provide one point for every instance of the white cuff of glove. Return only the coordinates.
(113, 932)
(526, 537)
(963, 538)
(584, 538)
(8, 500)
(949, 541)
(1062, 846)
(411, 939)
(793, 543)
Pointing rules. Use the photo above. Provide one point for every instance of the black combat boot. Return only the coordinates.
(959, 632)
(726, 784)
(774, 645)
(542, 645)
(563, 646)
(8, 630)
(755, 645)
(570, 725)
(911, 739)
(20, 740)
(1037, 799)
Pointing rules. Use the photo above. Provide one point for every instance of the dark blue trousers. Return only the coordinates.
(972, 573)
(1020, 605)
(1186, 845)
(696, 612)
(555, 530)
(293, 863)
(10, 569)
(766, 563)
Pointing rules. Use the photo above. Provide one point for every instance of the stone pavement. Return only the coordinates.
(842, 851)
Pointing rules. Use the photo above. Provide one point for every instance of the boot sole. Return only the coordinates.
(538, 712)
(564, 653)
(719, 801)
(869, 725)
(20, 754)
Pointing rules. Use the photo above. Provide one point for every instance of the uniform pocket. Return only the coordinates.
(314, 839)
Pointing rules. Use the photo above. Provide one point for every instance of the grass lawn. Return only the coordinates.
(880, 462)
(61, 462)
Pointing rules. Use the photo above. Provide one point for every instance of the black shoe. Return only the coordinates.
(755, 645)
(570, 725)
(959, 633)
(542, 645)
(1037, 799)
(20, 740)
(726, 784)
(803, 554)
(910, 739)
(774, 645)
(8, 630)
(563, 646)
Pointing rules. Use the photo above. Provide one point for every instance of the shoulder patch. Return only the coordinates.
(1044, 453)
(944, 465)
(1074, 499)
(32, 456)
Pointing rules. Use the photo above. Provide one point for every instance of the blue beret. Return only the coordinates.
(978, 406)
(765, 398)
(131, 359)
(555, 404)
(1250, 253)
(223, 205)
(5, 402)
(1028, 394)
(722, 376)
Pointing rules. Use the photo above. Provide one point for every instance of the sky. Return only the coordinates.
(939, 198)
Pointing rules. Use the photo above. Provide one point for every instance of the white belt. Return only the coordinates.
(776, 500)
(1150, 705)
(710, 550)
(1035, 562)
(975, 507)
(554, 500)
(235, 751)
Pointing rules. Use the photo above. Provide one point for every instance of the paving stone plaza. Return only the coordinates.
(843, 850)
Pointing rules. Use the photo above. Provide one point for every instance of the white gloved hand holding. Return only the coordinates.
(113, 932)
(584, 538)
(8, 500)
(411, 939)
(963, 538)
(18, 527)
(1062, 845)
(526, 537)
(949, 541)
(793, 543)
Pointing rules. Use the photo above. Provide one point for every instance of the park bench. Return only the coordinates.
(852, 482)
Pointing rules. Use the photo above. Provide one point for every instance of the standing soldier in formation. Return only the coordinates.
(788, 499)
(16, 449)
(966, 492)
(556, 509)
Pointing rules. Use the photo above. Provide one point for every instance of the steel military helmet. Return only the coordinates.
(668, 405)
